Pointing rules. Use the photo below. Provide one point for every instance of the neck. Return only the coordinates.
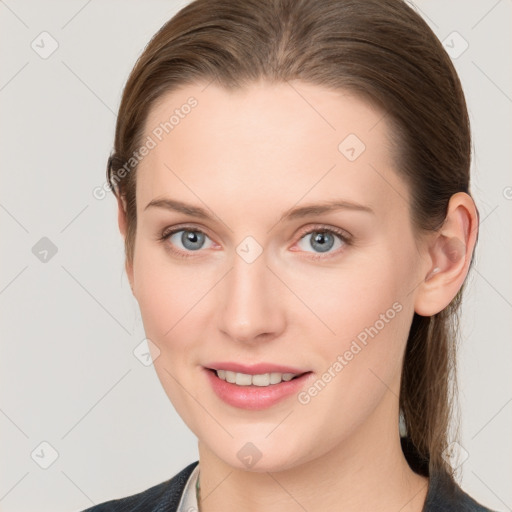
(366, 471)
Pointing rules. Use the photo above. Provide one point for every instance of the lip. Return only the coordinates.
(254, 369)
(256, 398)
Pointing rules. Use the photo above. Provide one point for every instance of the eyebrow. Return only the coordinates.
(291, 214)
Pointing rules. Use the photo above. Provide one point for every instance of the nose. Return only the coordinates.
(251, 303)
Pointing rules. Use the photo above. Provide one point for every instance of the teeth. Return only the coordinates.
(244, 379)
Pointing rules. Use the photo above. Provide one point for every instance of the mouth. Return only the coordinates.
(259, 379)
(258, 389)
(255, 386)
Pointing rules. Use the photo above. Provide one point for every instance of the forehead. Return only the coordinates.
(269, 144)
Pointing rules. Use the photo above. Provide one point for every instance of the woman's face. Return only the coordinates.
(268, 275)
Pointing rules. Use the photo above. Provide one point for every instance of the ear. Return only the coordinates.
(449, 255)
(123, 223)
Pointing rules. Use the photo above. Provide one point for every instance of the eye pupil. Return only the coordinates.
(322, 241)
(192, 240)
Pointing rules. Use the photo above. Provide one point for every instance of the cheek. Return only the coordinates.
(156, 294)
(359, 365)
(365, 313)
(348, 298)
(169, 296)
(167, 291)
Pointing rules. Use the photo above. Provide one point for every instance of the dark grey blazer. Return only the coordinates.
(444, 495)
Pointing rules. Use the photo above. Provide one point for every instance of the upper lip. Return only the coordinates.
(255, 369)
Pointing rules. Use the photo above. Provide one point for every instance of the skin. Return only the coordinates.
(248, 156)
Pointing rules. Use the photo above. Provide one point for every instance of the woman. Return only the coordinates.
(293, 189)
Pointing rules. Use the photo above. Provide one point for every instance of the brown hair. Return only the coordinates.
(380, 49)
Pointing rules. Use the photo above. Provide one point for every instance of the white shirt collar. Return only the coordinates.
(188, 501)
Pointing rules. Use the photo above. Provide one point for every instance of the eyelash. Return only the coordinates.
(345, 238)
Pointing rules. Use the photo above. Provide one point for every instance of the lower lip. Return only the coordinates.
(255, 397)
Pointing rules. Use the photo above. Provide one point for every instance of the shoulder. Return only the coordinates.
(163, 497)
(445, 495)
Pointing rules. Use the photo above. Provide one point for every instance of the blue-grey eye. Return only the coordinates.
(321, 241)
(190, 240)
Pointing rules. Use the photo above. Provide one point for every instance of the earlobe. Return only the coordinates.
(449, 256)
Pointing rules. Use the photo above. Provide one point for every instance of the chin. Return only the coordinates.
(260, 456)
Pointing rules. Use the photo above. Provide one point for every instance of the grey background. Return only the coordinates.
(68, 373)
